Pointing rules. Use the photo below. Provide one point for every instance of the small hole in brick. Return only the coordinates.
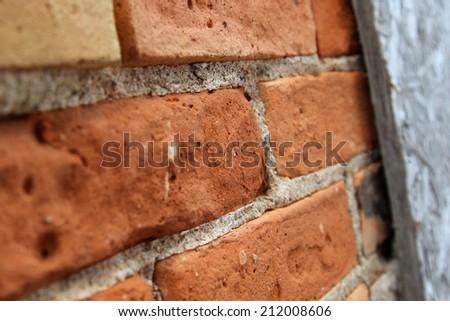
(190, 105)
(190, 4)
(28, 185)
(48, 244)
(39, 129)
(84, 161)
(209, 24)
(224, 24)
(81, 157)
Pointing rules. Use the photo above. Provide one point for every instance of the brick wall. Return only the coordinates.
(212, 150)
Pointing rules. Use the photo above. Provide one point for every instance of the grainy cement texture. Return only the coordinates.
(407, 49)
(46, 89)
(40, 90)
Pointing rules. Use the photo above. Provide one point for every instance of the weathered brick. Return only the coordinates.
(303, 109)
(175, 32)
(134, 288)
(62, 211)
(39, 33)
(373, 203)
(337, 33)
(360, 293)
(295, 253)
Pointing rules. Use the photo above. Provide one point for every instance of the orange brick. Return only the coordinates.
(303, 109)
(373, 203)
(134, 288)
(360, 293)
(176, 32)
(62, 211)
(295, 253)
(337, 33)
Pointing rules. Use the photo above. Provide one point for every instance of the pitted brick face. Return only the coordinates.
(326, 118)
(294, 253)
(176, 32)
(62, 211)
(130, 150)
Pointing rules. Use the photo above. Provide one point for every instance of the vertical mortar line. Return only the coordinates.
(354, 211)
(366, 272)
(255, 75)
(251, 87)
(106, 273)
(146, 273)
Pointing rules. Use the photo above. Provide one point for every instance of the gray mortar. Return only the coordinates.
(41, 90)
(143, 256)
(366, 272)
(354, 212)
(23, 92)
(386, 287)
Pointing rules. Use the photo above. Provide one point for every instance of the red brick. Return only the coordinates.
(374, 209)
(295, 253)
(175, 32)
(62, 211)
(337, 33)
(134, 288)
(302, 109)
(360, 293)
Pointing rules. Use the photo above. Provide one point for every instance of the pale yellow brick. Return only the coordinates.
(41, 33)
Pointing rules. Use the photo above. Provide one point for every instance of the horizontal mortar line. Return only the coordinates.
(26, 91)
(365, 272)
(109, 272)
(272, 200)
(293, 189)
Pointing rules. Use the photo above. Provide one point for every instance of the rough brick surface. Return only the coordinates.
(373, 203)
(175, 32)
(302, 109)
(337, 33)
(294, 253)
(134, 288)
(61, 211)
(360, 293)
(41, 33)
